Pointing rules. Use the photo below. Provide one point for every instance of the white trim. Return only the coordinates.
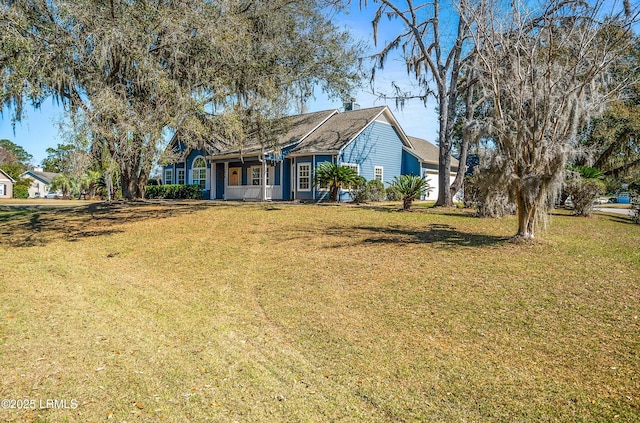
(394, 122)
(352, 165)
(184, 175)
(250, 177)
(170, 178)
(199, 168)
(226, 180)
(375, 169)
(299, 165)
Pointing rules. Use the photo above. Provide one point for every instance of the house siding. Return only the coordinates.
(410, 164)
(7, 187)
(318, 160)
(219, 181)
(378, 145)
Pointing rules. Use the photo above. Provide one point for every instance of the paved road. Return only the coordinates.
(624, 212)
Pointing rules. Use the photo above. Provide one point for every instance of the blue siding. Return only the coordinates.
(378, 145)
(219, 181)
(276, 171)
(410, 164)
(322, 195)
(286, 182)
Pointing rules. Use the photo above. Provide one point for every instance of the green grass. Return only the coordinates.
(202, 311)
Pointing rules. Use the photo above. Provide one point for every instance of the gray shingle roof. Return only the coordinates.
(45, 177)
(338, 131)
(297, 127)
(427, 152)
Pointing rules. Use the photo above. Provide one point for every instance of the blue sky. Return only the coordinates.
(39, 130)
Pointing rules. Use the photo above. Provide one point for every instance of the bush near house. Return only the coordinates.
(584, 185)
(393, 194)
(364, 191)
(181, 192)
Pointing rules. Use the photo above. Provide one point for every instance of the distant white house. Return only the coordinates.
(6, 185)
(41, 185)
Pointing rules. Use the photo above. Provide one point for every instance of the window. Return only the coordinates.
(270, 173)
(352, 166)
(168, 176)
(180, 176)
(1, 189)
(199, 172)
(304, 176)
(255, 175)
(325, 185)
(378, 173)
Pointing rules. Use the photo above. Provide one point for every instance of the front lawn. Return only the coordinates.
(219, 312)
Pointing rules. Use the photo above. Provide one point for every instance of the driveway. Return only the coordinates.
(624, 212)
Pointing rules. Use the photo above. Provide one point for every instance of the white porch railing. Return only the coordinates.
(252, 192)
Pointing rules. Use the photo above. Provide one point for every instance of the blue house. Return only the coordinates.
(370, 141)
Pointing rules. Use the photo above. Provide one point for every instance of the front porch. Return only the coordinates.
(249, 180)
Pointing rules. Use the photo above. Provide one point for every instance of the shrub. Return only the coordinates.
(635, 213)
(360, 190)
(393, 194)
(182, 192)
(335, 177)
(376, 190)
(584, 186)
(411, 187)
(487, 198)
(21, 188)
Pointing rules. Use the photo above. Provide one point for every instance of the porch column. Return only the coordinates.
(264, 179)
(226, 182)
(212, 181)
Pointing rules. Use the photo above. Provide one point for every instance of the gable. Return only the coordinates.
(44, 177)
(5, 177)
(379, 145)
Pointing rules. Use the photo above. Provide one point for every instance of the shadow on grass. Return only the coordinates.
(433, 234)
(348, 236)
(28, 226)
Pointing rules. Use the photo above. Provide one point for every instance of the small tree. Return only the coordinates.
(542, 75)
(410, 187)
(335, 177)
(584, 185)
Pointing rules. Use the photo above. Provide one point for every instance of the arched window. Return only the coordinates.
(199, 172)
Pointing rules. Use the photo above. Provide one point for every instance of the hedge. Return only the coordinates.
(182, 192)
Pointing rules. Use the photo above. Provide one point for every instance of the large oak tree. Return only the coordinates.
(133, 69)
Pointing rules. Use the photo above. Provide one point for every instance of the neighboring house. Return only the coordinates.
(6, 185)
(370, 141)
(41, 184)
(423, 160)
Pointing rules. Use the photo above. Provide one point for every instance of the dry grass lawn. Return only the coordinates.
(250, 312)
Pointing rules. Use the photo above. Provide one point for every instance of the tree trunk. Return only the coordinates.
(466, 140)
(334, 192)
(459, 179)
(406, 203)
(444, 157)
(526, 218)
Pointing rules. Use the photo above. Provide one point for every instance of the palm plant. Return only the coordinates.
(410, 188)
(334, 176)
(65, 184)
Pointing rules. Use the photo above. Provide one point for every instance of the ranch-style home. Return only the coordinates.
(41, 182)
(6, 185)
(370, 141)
